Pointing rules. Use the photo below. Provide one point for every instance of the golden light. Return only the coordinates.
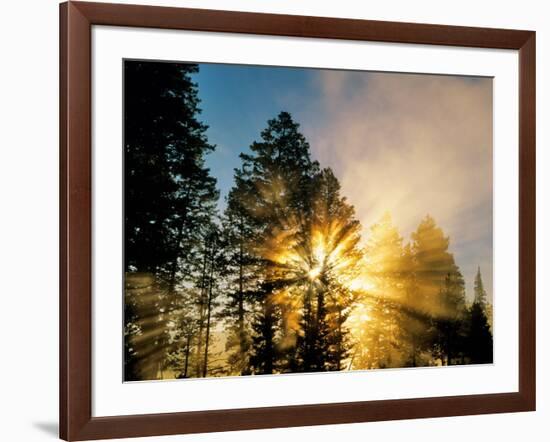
(319, 253)
(360, 314)
(314, 273)
(361, 283)
(364, 317)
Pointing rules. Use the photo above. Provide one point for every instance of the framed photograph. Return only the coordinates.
(274, 220)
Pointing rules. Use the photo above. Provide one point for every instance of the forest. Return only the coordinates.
(285, 279)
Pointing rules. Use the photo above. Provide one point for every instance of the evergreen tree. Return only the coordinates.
(416, 322)
(242, 283)
(271, 195)
(480, 338)
(433, 263)
(442, 287)
(264, 354)
(170, 195)
(449, 325)
(384, 267)
(169, 191)
(332, 255)
(480, 295)
(208, 283)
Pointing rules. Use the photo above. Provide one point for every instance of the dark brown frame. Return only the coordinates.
(76, 421)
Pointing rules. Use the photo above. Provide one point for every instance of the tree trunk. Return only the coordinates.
(187, 351)
(240, 311)
(269, 353)
(179, 238)
(201, 311)
(209, 311)
(339, 342)
(308, 332)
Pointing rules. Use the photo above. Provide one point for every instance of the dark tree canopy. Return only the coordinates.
(170, 198)
(169, 191)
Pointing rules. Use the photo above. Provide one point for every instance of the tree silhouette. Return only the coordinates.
(282, 281)
(480, 338)
(169, 193)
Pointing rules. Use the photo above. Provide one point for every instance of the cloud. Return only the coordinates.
(412, 145)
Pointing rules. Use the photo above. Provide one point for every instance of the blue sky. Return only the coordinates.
(404, 143)
(236, 103)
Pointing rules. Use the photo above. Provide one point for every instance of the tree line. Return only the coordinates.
(281, 281)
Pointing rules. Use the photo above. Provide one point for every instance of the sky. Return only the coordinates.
(408, 144)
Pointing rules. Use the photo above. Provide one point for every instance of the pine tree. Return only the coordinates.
(169, 191)
(416, 322)
(272, 195)
(480, 338)
(449, 325)
(170, 195)
(442, 287)
(384, 252)
(433, 261)
(242, 283)
(264, 354)
(208, 292)
(480, 295)
(332, 255)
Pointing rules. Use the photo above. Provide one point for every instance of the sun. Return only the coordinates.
(314, 273)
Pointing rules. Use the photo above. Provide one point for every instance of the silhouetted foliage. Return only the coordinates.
(281, 281)
(169, 194)
(480, 339)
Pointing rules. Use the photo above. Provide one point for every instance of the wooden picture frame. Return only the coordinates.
(76, 420)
